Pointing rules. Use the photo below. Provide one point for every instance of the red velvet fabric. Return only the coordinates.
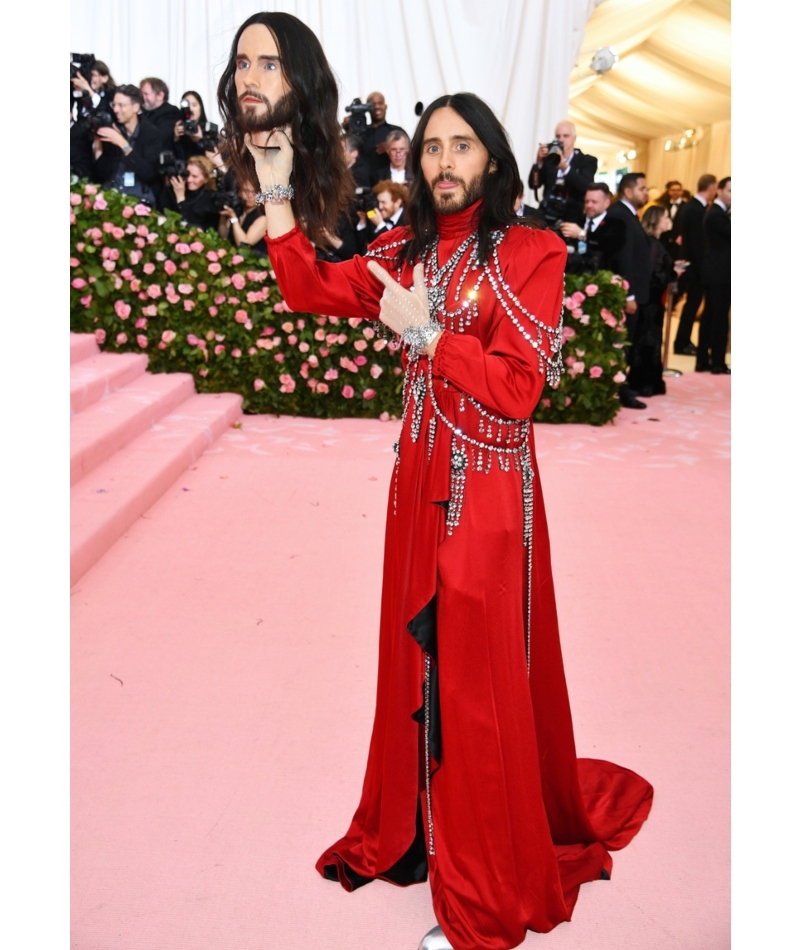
(519, 822)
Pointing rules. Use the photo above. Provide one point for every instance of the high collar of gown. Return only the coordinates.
(460, 224)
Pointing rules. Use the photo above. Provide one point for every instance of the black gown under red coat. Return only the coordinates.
(518, 822)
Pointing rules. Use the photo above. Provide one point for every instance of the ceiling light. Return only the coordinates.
(632, 154)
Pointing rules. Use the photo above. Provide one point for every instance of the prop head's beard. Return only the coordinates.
(448, 203)
(251, 119)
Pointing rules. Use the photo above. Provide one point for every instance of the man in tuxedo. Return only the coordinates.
(632, 261)
(715, 322)
(672, 199)
(564, 175)
(692, 243)
(374, 138)
(392, 199)
(397, 148)
(594, 244)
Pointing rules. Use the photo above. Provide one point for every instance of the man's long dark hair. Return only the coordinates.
(501, 186)
(320, 177)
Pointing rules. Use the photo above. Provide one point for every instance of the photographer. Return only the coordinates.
(593, 244)
(95, 93)
(243, 222)
(193, 133)
(126, 153)
(374, 138)
(192, 196)
(563, 172)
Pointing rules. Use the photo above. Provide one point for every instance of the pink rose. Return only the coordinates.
(219, 348)
(291, 339)
(127, 273)
(142, 340)
(360, 360)
(318, 334)
(369, 394)
(173, 298)
(287, 382)
(354, 322)
(240, 316)
(334, 320)
(86, 301)
(154, 291)
(212, 255)
(149, 267)
(100, 336)
(375, 371)
(578, 297)
(117, 233)
(331, 374)
(168, 336)
(278, 357)
(591, 290)
(136, 285)
(233, 301)
(141, 323)
(202, 287)
(122, 338)
(347, 391)
(384, 417)
(569, 360)
(569, 303)
(567, 334)
(142, 210)
(220, 298)
(127, 212)
(331, 338)
(221, 252)
(90, 190)
(109, 265)
(379, 344)
(151, 311)
(287, 327)
(236, 259)
(136, 256)
(238, 281)
(122, 309)
(258, 384)
(596, 371)
(585, 319)
(360, 345)
(100, 203)
(368, 333)
(139, 242)
(182, 248)
(303, 347)
(78, 283)
(212, 311)
(191, 339)
(620, 377)
(236, 353)
(546, 403)
(608, 317)
(323, 388)
(313, 361)
(74, 199)
(567, 400)
(197, 247)
(185, 288)
(578, 367)
(188, 304)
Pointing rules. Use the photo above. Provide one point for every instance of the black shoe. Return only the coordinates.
(629, 401)
(689, 350)
(720, 371)
(702, 369)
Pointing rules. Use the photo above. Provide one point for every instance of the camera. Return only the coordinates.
(81, 63)
(358, 116)
(365, 200)
(553, 206)
(210, 140)
(219, 199)
(555, 152)
(190, 126)
(171, 167)
(100, 119)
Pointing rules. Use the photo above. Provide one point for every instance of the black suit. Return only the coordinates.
(369, 233)
(603, 244)
(142, 161)
(371, 138)
(581, 174)
(690, 227)
(715, 322)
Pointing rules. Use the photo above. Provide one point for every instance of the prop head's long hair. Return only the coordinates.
(500, 186)
(320, 177)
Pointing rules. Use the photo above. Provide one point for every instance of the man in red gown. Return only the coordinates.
(472, 778)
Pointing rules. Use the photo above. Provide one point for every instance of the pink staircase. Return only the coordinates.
(132, 434)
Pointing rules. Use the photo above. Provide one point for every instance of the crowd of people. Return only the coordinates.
(132, 138)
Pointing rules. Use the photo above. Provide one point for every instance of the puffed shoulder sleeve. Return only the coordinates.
(506, 368)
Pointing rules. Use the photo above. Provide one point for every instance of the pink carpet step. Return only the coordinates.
(101, 374)
(107, 426)
(106, 502)
(82, 346)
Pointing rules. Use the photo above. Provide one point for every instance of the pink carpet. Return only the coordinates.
(224, 655)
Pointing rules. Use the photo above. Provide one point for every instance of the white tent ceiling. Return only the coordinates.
(674, 74)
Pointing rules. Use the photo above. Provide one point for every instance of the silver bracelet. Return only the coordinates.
(275, 193)
(419, 338)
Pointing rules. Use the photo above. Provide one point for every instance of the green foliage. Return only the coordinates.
(593, 344)
(145, 282)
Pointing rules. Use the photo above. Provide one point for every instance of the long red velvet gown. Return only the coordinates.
(518, 823)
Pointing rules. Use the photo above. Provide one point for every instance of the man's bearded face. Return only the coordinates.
(454, 161)
(260, 116)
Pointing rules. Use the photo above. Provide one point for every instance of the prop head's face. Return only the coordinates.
(263, 93)
(454, 161)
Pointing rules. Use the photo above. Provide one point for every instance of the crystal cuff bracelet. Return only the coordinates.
(418, 338)
(275, 193)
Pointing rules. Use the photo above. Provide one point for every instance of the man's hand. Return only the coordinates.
(541, 154)
(79, 82)
(631, 306)
(570, 230)
(402, 309)
(112, 136)
(177, 132)
(273, 156)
